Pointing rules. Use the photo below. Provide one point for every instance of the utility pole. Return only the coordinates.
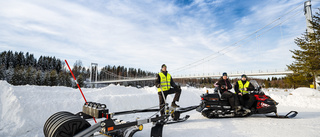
(308, 14)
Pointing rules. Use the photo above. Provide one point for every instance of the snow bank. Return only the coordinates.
(24, 109)
(10, 111)
(306, 92)
(300, 97)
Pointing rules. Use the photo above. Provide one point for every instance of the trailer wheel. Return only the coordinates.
(64, 125)
(56, 120)
(51, 121)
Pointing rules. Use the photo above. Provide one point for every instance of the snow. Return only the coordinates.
(24, 110)
(301, 97)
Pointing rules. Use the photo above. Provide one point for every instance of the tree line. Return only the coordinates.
(18, 68)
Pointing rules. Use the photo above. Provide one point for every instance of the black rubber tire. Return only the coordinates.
(55, 120)
(50, 119)
(69, 126)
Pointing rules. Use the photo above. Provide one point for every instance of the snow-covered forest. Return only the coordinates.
(18, 68)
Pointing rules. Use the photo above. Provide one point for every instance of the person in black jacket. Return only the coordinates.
(242, 88)
(224, 87)
(164, 82)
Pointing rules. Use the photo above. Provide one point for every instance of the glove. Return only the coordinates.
(177, 87)
(223, 87)
(158, 85)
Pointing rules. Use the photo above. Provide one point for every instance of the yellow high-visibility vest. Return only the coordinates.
(241, 87)
(164, 82)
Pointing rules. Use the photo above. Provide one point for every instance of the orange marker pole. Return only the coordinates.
(78, 86)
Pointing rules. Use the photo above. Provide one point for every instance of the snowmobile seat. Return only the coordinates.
(211, 97)
(220, 96)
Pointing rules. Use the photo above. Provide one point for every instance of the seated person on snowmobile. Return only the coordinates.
(164, 81)
(224, 87)
(242, 88)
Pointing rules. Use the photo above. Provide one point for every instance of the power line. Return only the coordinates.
(208, 58)
(203, 59)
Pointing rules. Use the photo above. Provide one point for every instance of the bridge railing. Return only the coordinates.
(236, 73)
(230, 74)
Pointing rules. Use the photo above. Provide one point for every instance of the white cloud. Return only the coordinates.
(146, 34)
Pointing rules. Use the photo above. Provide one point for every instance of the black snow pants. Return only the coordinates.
(232, 98)
(166, 93)
(246, 100)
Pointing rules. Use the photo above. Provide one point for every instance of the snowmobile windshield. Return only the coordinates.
(255, 84)
(257, 87)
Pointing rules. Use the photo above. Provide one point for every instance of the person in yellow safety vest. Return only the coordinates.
(165, 82)
(242, 88)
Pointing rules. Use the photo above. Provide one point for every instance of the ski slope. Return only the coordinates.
(24, 110)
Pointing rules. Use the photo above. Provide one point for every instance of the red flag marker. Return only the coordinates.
(78, 86)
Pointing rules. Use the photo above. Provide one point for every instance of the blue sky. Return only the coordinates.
(146, 34)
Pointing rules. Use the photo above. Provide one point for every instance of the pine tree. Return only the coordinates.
(68, 79)
(53, 78)
(76, 70)
(80, 80)
(3, 58)
(38, 78)
(46, 80)
(29, 76)
(2, 72)
(18, 77)
(58, 66)
(10, 60)
(15, 77)
(307, 58)
(61, 80)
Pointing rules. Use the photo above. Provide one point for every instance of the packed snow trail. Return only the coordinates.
(24, 110)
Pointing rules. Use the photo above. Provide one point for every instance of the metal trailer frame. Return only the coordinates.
(110, 126)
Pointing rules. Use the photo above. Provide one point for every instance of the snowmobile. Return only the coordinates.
(212, 106)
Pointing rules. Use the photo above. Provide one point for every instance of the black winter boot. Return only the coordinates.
(237, 109)
(173, 104)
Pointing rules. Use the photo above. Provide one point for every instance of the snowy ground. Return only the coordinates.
(24, 110)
